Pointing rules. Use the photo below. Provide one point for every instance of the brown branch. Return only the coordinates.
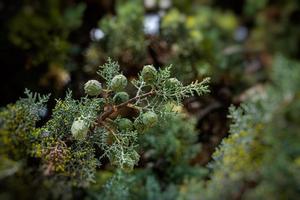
(110, 130)
(113, 109)
(107, 113)
(135, 99)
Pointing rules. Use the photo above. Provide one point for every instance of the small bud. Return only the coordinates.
(149, 73)
(118, 83)
(120, 97)
(145, 121)
(125, 124)
(92, 88)
(149, 119)
(79, 129)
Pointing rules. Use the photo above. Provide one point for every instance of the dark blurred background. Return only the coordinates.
(24, 22)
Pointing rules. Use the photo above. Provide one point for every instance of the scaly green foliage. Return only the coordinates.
(69, 148)
(166, 152)
(259, 160)
(18, 123)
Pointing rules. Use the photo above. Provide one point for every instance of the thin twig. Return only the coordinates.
(111, 131)
(113, 109)
(152, 92)
(140, 90)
